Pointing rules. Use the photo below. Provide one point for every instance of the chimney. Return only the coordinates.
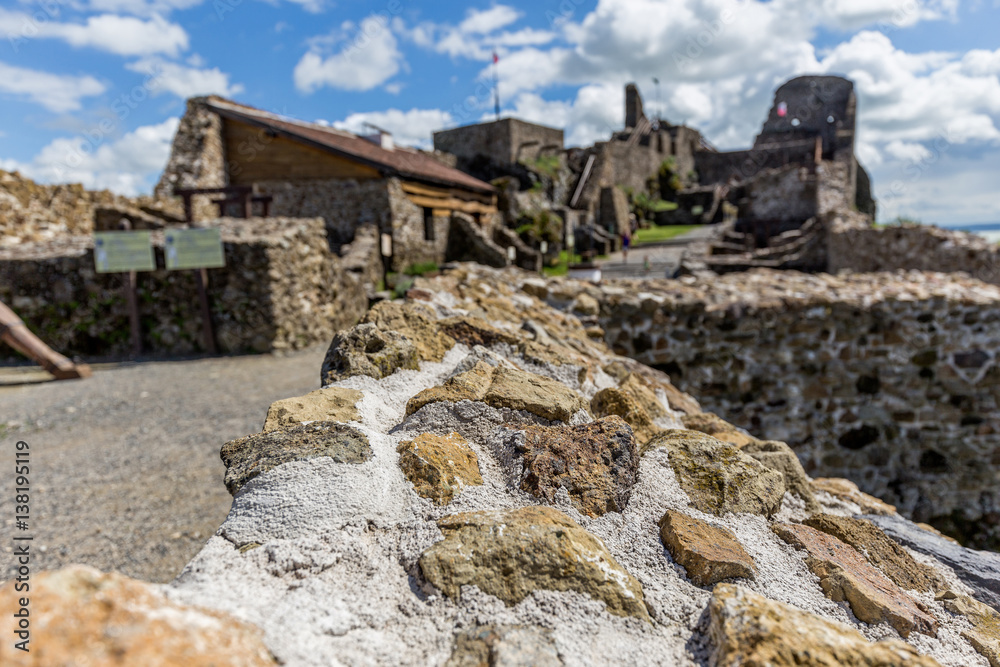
(379, 137)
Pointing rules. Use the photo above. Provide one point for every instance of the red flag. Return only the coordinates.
(496, 58)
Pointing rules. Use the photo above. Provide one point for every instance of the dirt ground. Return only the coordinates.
(125, 469)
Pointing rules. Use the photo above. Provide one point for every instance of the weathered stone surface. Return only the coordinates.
(845, 489)
(510, 554)
(985, 635)
(505, 387)
(474, 331)
(844, 574)
(640, 389)
(779, 456)
(614, 401)
(708, 553)
(717, 476)
(253, 455)
(748, 630)
(881, 551)
(980, 570)
(416, 322)
(367, 350)
(504, 646)
(439, 466)
(329, 404)
(597, 463)
(713, 425)
(79, 616)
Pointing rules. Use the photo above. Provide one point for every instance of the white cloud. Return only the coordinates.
(55, 92)
(476, 36)
(412, 128)
(127, 165)
(141, 7)
(185, 81)
(121, 35)
(368, 60)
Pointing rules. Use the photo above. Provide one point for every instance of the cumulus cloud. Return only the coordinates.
(184, 81)
(141, 7)
(121, 35)
(368, 59)
(477, 35)
(127, 165)
(55, 92)
(411, 128)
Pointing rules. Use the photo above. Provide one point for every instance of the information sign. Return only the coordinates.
(120, 252)
(194, 249)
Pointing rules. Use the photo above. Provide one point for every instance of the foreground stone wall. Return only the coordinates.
(281, 289)
(910, 246)
(891, 380)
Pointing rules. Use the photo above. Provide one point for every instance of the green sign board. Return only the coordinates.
(194, 249)
(118, 252)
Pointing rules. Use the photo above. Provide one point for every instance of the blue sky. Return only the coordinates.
(91, 90)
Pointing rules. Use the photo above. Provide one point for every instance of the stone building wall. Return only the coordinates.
(499, 144)
(281, 289)
(785, 194)
(197, 159)
(912, 247)
(344, 205)
(890, 380)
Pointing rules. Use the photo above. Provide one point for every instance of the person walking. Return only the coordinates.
(626, 242)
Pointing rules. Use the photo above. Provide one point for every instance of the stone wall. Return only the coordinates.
(281, 289)
(785, 194)
(197, 159)
(344, 205)
(498, 145)
(30, 212)
(916, 247)
(891, 380)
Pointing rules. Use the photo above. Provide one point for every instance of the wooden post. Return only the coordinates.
(201, 277)
(132, 298)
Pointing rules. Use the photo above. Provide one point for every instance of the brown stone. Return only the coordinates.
(614, 401)
(506, 645)
(640, 390)
(718, 477)
(505, 387)
(713, 425)
(474, 331)
(985, 635)
(881, 551)
(509, 554)
(708, 553)
(597, 463)
(846, 490)
(749, 630)
(82, 616)
(329, 404)
(367, 350)
(779, 456)
(439, 466)
(844, 574)
(247, 457)
(415, 321)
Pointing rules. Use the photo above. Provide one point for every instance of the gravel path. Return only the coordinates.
(125, 469)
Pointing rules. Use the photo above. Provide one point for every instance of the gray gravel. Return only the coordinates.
(125, 468)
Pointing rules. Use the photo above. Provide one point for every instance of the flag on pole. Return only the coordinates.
(496, 58)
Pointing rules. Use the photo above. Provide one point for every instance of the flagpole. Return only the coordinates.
(496, 85)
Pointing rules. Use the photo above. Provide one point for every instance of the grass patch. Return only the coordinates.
(421, 268)
(656, 234)
(561, 268)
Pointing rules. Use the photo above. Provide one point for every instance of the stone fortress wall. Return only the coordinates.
(892, 380)
(282, 288)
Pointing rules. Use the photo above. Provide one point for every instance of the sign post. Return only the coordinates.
(198, 249)
(126, 252)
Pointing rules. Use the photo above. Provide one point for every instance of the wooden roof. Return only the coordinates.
(401, 161)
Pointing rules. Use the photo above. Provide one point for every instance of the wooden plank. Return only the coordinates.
(253, 155)
(411, 188)
(14, 332)
(451, 204)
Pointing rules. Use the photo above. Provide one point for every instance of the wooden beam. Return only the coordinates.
(411, 188)
(14, 332)
(452, 204)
